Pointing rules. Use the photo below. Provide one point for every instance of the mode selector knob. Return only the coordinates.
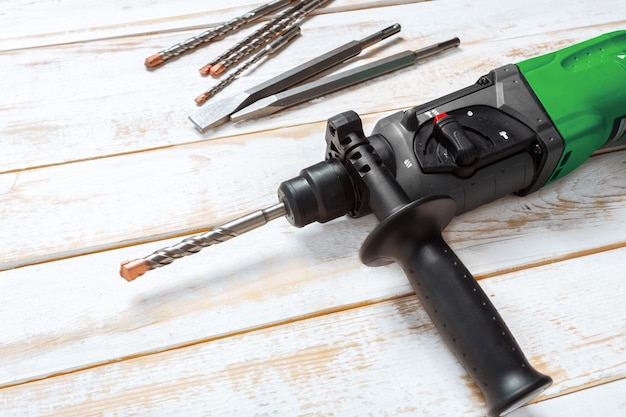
(449, 132)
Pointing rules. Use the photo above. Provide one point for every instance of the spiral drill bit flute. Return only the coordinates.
(214, 33)
(273, 47)
(521, 126)
(275, 27)
(133, 269)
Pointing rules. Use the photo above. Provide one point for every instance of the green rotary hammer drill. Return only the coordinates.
(519, 127)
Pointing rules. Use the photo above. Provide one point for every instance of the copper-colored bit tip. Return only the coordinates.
(217, 69)
(201, 99)
(130, 270)
(206, 69)
(153, 61)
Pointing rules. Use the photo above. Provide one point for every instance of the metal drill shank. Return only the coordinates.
(216, 235)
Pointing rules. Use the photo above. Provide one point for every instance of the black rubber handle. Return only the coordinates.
(459, 308)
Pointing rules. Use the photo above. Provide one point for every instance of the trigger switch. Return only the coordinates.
(449, 132)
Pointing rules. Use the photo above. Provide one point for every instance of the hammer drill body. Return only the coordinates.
(518, 128)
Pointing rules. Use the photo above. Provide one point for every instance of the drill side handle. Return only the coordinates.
(457, 305)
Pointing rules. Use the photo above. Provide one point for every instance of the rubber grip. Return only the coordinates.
(458, 307)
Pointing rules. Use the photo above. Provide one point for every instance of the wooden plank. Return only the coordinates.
(380, 359)
(70, 209)
(606, 399)
(72, 104)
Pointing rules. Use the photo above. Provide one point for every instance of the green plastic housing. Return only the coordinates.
(583, 90)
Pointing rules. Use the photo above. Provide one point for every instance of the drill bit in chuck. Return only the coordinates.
(130, 270)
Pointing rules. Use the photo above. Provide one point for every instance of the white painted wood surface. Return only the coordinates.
(99, 164)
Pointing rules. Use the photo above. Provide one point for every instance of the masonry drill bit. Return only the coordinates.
(326, 85)
(261, 36)
(130, 270)
(214, 33)
(258, 42)
(271, 48)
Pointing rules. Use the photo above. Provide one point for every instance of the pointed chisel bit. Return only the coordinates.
(326, 85)
(220, 111)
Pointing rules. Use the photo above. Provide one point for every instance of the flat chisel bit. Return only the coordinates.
(220, 111)
(326, 85)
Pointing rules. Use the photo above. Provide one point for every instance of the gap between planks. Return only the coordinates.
(169, 146)
(324, 11)
(587, 386)
(287, 321)
(336, 310)
(249, 330)
(355, 307)
(569, 391)
(369, 118)
(391, 109)
(181, 233)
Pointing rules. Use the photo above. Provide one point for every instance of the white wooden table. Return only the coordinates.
(99, 164)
